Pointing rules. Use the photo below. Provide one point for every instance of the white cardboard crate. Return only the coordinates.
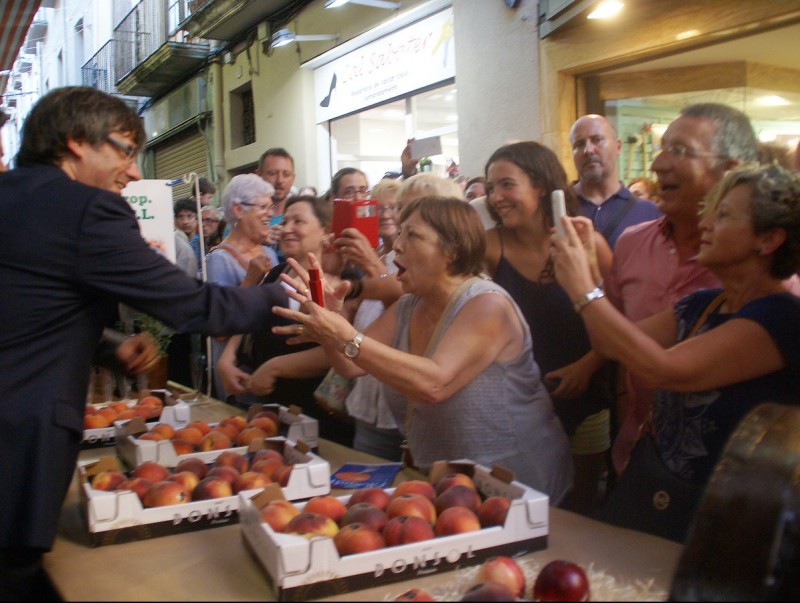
(175, 412)
(116, 517)
(134, 452)
(301, 569)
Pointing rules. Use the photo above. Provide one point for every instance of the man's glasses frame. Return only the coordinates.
(130, 151)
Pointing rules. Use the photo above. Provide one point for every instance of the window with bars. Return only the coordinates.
(243, 121)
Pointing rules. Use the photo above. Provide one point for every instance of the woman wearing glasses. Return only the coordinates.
(242, 258)
(260, 367)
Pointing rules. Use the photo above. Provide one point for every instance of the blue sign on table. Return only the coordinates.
(357, 476)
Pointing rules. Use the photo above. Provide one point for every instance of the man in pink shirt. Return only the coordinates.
(655, 262)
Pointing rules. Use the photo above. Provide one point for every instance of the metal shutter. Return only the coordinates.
(183, 153)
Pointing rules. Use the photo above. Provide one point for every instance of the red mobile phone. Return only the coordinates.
(315, 285)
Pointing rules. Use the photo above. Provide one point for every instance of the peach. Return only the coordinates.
(235, 420)
(454, 479)
(228, 429)
(503, 570)
(127, 415)
(164, 493)
(415, 594)
(266, 465)
(367, 514)
(152, 401)
(412, 505)
(212, 487)
(229, 474)
(143, 410)
(200, 426)
(405, 530)
(268, 414)
(214, 440)
(374, 496)
(493, 511)
(415, 486)
(187, 479)
(150, 470)
(189, 434)
(108, 480)
(248, 434)
(278, 513)
(267, 425)
(182, 447)
(250, 480)
(268, 453)
(233, 459)
(458, 496)
(109, 413)
(456, 520)
(355, 538)
(193, 464)
(282, 475)
(118, 406)
(165, 429)
(139, 485)
(95, 421)
(327, 505)
(311, 524)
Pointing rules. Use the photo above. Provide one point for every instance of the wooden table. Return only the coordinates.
(214, 565)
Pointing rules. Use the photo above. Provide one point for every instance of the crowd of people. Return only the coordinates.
(654, 322)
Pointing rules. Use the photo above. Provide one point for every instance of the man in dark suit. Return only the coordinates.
(71, 252)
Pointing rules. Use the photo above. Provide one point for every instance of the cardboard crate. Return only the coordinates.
(175, 412)
(118, 516)
(134, 451)
(300, 570)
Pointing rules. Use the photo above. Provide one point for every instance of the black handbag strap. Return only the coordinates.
(621, 213)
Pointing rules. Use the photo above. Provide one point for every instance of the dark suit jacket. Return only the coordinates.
(70, 253)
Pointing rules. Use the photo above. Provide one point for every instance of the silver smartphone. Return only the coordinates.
(559, 210)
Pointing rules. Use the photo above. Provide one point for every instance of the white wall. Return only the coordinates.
(497, 77)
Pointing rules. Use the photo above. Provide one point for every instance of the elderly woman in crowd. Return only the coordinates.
(261, 367)
(453, 354)
(242, 258)
(719, 352)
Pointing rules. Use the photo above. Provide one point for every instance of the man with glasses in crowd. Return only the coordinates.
(655, 262)
(72, 252)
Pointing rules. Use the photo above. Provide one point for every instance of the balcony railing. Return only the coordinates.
(99, 71)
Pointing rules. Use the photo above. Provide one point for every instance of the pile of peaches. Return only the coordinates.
(192, 479)
(372, 519)
(149, 407)
(199, 436)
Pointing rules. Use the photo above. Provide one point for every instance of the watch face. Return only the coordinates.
(351, 350)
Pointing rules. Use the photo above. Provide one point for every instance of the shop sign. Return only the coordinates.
(409, 59)
(151, 200)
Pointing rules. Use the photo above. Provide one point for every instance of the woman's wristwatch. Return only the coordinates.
(587, 298)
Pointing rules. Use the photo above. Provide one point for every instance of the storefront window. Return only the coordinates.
(372, 140)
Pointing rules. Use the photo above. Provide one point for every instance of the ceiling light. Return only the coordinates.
(282, 37)
(606, 9)
(772, 100)
(373, 3)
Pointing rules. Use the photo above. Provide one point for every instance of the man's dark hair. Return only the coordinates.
(186, 204)
(278, 152)
(79, 113)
